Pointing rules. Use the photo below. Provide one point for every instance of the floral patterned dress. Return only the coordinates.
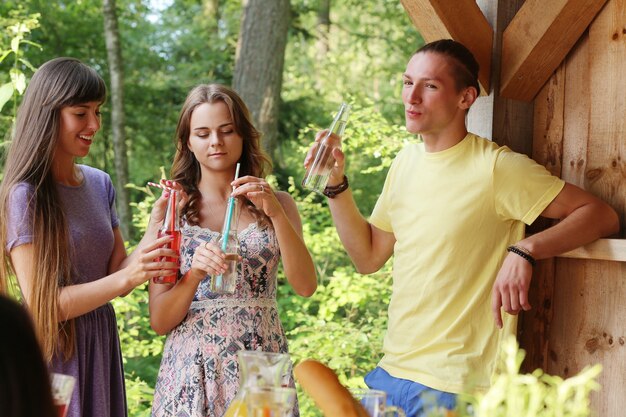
(199, 373)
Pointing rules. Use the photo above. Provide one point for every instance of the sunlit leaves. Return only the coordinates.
(15, 29)
(6, 92)
(529, 395)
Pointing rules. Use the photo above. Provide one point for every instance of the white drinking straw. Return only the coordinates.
(161, 186)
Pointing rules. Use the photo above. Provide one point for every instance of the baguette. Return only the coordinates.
(322, 384)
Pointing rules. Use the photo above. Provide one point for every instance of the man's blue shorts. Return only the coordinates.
(414, 398)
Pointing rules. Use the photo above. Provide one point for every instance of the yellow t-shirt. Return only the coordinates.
(453, 214)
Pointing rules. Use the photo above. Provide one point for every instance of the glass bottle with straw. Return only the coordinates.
(226, 283)
(318, 172)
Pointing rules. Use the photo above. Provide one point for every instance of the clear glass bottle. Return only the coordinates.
(226, 283)
(318, 172)
(171, 226)
(257, 370)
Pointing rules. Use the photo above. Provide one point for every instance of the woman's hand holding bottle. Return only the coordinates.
(208, 259)
(151, 262)
(157, 215)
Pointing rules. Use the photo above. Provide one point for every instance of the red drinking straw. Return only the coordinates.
(173, 210)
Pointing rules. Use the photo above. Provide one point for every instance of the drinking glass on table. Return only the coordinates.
(62, 390)
(375, 402)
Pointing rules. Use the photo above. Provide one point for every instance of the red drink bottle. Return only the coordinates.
(171, 227)
(61, 409)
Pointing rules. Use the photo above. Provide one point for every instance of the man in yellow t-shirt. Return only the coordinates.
(453, 212)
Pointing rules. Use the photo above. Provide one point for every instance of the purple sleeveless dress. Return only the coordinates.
(97, 362)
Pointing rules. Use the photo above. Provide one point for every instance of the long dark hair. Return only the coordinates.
(59, 83)
(465, 66)
(24, 381)
(186, 169)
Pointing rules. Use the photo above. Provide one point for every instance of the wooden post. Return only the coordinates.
(505, 121)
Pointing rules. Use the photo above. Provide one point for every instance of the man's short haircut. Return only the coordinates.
(465, 65)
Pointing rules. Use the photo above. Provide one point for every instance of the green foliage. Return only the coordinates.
(529, 395)
(369, 43)
(534, 395)
(141, 346)
(141, 350)
(370, 143)
(169, 50)
(14, 31)
(343, 323)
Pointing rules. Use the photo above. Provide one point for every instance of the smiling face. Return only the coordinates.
(78, 125)
(213, 139)
(433, 105)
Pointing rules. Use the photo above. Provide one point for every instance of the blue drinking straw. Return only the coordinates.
(231, 204)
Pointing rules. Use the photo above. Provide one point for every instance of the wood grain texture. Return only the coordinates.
(548, 123)
(534, 326)
(588, 328)
(538, 39)
(576, 118)
(578, 308)
(601, 249)
(512, 119)
(605, 174)
(577, 298)
(547, 149)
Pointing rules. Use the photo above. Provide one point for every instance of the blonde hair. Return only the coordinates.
(59, 83)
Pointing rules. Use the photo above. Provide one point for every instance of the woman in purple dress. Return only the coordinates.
(61, 236)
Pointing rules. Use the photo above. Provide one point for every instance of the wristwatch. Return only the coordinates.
(332, 192)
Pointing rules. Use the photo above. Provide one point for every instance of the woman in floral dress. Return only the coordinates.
(199, 374)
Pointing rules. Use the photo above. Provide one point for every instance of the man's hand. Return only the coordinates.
(334, 141)
(510, 290)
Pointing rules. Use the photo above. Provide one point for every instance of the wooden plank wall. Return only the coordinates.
(579, 314)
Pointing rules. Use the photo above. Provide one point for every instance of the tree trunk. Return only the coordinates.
(259, 63)
(116, 72)
(212, 12)
(323, 28)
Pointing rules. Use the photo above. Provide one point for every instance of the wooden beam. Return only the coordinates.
(461, 20)
(538, 39)
(605, 173)
(602, 249)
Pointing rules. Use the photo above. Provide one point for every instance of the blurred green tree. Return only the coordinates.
(15, 29)
(170, 46)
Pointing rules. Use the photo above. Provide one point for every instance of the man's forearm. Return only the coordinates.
(582, 226)
(355, 232)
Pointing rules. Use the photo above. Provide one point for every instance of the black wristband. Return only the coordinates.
(332, 192)
(524, 253)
